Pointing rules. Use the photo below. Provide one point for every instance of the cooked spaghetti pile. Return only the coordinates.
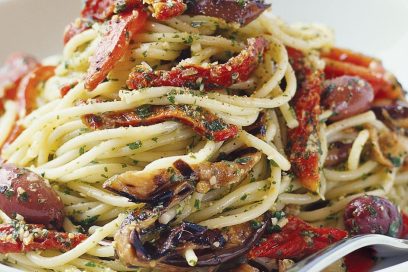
(177, 135)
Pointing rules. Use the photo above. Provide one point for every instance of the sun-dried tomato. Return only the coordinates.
(113, 46)
(304, 144)
(237, 69)
(18, 237)
(296, 240)
(202, 121)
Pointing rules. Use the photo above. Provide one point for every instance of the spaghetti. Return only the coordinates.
(164, 119)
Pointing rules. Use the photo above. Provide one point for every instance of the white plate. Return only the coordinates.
(375, 27)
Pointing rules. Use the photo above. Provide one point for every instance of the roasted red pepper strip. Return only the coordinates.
(98, 10)
(27, 90)
(166, 9)
(26, 96)
(345, 55)
(15, 68)
(203, 122)
(67, 87)
(18, 237)
(340, 62)
(296, 240)
(102, 10)
(304, 144)
(15, 132)
(237, 69)
(76, 27)
(113, 46)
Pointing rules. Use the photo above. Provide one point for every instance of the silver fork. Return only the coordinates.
(384, 246)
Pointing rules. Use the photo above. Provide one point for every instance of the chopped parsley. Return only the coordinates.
(135, 145)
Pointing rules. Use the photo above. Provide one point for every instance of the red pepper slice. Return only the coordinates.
(203, 122)
(27, 90)
(98, 10)
(26, 96)
(237, 69)
(15, 132)
(15, 68)
(303, 144)
(67, 87)
(167, 9)
(345, 55)
(340, 62)
(18, 237)
(76, 27)
(102, 10)
(113, 45)
(296, 240)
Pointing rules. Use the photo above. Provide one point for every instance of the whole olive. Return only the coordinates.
(372, 214)
(27, 194)
(346, 96)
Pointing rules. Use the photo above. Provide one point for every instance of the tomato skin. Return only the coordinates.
(14, 69)
(113, 46)
(296, 240)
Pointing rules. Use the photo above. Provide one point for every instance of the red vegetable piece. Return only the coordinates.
(67, 87)
(341, 62)
(296, 240)
(303, 142)
(237, 69)
(15, 132)
(362, 260)
(76, 27)
(98, 10)
(27, 90)
(404, 233)
(203, 122)
(18, 237)
(113, 45)
(14, 69)
(345, 55)
(167, 9)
